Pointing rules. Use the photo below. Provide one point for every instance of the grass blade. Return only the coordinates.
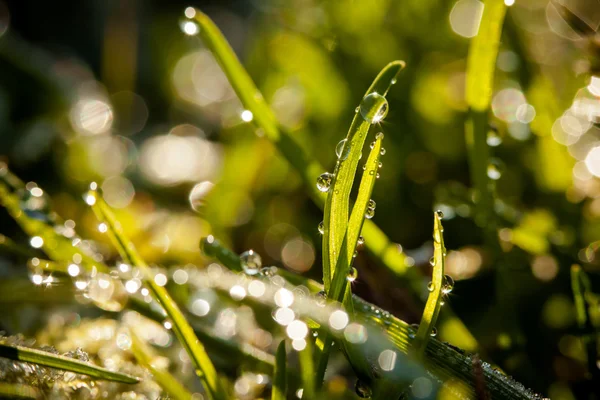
(481, 63)
(307, 371)
(279, 391)
(18, 391)
(339, 287)
(143, 355)
(26, 354)
(183, 330)
(434, 301)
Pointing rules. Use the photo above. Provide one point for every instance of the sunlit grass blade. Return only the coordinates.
(26, 354)
(481, 63)
(339, 284)
(144, 356)
(18, 391)
(39, 222)
(307, 370)
(183, 330)
(335, 213)
(279, 391)
(436, 288)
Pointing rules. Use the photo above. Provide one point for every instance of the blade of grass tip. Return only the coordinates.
(307, 370)
(338, 287)
(183, 330)
(39, 222)
(481, 63)
(279, 391)
(144, 356)
(18, 391)
(212, 248)
(39, 357)
(371, 110)
(578, 295)
(436, 288)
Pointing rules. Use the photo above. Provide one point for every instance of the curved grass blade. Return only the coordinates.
(481, 63)
(307, 371)
(339, 287)
(39, 222)
(434, 301)
(18, 391)
(279, 391)
(183, 330)
(143, 355)
(26, 354)
(335, 214)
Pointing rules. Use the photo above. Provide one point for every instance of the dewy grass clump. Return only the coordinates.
(119, 321)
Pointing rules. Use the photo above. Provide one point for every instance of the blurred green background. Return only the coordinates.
(119, 93)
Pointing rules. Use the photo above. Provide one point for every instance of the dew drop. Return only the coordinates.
(360, 241)
(379, 136)
(431, 286)
(439, 214)
(355, 254)
(432, 261)
(377, 176)
(393, 81)
(371, 204)
(372, 145)
(413, 333)
(365, 167)
(321, 298)
(373, 108)
(370, 213)
(493, 139)
(380, 165)
(321, 228)
(324, 182)
(362, 389)
(433, 332)
(448, 284)
(342, 150)
(251, 262)
(495, 169)
(382, 151)
(352, 274)
(268, 271)
(357, 109)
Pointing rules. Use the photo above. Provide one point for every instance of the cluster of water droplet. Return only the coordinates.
(370, 212)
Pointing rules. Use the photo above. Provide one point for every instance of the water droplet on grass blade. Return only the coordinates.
(352, 274)
(362, 389)
(251, 262)
(373, 108)
(324, 181)
(493, 139)
(440, 214)
(432, 261)
(369, 213)
(431, 286)
(382, 151)
(371, 204)
(433, 332)
(495, 169)
(321, 228)
(448, 284)
(342, 149)
(321, 298)
(360, 241)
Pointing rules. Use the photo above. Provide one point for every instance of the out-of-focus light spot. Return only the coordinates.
(289, 104)
(173, 159)
(144, 292)
(422, 387)
(355, 333)
(81, 284)
(338, 320)
(387, 360)
(189, 28)
(123, 341)
(525, 113)
(298, 344)
(465, 17)
(558, 312)
(198, 194)
(283, 316)
(102, 227)
(73, 269)
(586, 106)
(200, 307)
(247, 116)
(298, 254)
(463, 264)
(124, 267)
(283, 298)
(581, 172)
(91, 117)
(4, 18)
(130, 113)
(90, 199)
(190, 12)
(167, 324)
(509, 3)
(297, 330)
(544, 267)
(594, 86)
(256, 288)
(237, 292)
(36, 242)
(180, 277)
(592, 161)
(519, 130)
(557, 23)
(36, 192)
(506, 103)
(132, 285)
(508, 61)
(160, 279)
(37, 279)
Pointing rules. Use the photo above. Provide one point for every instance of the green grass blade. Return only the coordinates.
(339, 286)
(481, 63)
(279, 391)
(434, 301)
(40, 222)
(170, 385)
(26, 354)
(579, 295)
(307, 370)
(18, 391)
(183, 330)
(335, 214)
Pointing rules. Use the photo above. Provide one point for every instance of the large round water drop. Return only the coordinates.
(324, 181)
(251, 262)
(373, 108)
